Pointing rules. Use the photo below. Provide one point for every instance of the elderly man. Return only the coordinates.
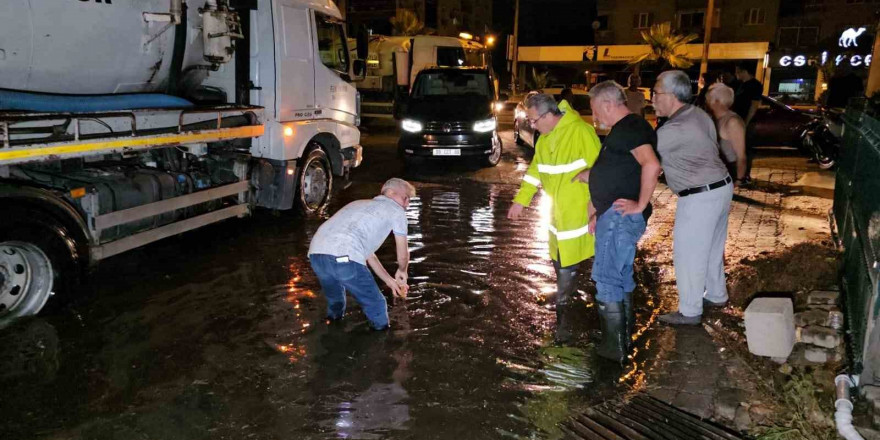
(690, 157)
(346, 243)
(567, 146)
(621, 185)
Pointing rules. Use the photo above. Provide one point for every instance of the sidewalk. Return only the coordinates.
(771, 222)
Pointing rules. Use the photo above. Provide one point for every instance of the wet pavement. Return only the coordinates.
(219, 333)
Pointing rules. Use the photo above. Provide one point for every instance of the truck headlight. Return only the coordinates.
(484, 126)
(411, 126)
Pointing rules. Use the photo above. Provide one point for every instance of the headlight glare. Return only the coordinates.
(411, 126)
(484, 126)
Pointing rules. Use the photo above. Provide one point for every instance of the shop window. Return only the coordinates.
(755, 16)
(690, 20)
(697, 19)
(642, 20)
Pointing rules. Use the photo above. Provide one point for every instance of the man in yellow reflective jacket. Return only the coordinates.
(568, 146)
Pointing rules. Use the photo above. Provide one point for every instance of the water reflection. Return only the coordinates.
(223, 331)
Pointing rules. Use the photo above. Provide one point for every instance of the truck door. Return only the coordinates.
(295, 75)
(334, 95)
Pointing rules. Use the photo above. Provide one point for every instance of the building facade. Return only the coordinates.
(445, 17)
(734, 21)
(817, 40)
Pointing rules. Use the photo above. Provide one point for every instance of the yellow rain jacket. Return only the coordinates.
(568, 149)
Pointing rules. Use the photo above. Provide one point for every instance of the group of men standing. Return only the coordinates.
(601, 195)
(601, 202)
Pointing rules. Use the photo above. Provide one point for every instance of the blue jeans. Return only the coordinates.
(336, 278)
(616, 238)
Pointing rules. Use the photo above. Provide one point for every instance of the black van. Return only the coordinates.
(450, 113)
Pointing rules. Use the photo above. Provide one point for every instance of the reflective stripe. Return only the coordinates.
(532, 180)
(568, 235)
(562, 169)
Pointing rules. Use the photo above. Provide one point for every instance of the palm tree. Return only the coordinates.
(539, 80)
(406, 23)
(666, 47)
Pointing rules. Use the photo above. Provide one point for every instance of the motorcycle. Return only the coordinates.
(823, 136)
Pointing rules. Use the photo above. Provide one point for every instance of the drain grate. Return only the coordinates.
(643, 418)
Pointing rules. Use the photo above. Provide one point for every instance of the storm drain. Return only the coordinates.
(642, 418)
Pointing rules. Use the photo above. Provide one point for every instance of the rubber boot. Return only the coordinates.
(566, 285)
(630, 316)
(613, 322)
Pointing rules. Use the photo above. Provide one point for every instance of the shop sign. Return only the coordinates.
(849, 40)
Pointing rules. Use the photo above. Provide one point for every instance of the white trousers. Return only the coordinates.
(698, 240)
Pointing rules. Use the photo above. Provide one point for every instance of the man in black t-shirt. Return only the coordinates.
(745, 104)
(621, 184)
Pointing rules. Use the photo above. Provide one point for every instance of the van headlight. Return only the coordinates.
(484, 126)
(499, 106)
(411, 126)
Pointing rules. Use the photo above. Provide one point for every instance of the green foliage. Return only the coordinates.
(806, 415)
(666, 47)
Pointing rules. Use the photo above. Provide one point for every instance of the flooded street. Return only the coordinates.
(219, 333)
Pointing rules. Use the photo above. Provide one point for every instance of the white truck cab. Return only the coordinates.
(127, 122)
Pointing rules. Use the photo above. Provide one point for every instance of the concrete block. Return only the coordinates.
(819, 336)
(823, 317)
(822, 355)
(823, 297)
(770, 327)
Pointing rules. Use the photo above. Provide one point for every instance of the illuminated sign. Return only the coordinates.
(801, 60)
(849, 36)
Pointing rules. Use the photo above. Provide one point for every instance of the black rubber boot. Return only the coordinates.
(630, 316)
(566, 286)
(613, 322)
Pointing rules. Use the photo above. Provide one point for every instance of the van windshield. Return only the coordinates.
(452, 84)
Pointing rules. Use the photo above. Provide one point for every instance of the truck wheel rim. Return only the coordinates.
(315, 185)
(25, 279)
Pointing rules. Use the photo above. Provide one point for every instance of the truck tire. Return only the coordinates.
(314, 182)
(35, 260)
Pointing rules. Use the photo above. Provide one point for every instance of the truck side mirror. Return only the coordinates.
(363, 42)
(359, 68)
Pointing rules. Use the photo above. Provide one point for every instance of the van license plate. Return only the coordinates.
(447, 152)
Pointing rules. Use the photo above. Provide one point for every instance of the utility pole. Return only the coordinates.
(707, 38)
(513, 75)
(874, 73)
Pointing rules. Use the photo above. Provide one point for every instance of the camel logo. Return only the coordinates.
(848, 37)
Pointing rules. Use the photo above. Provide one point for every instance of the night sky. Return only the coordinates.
(547, 22)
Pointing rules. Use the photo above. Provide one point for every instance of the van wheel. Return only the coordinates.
(314, 181)
(495, 157)
(35, 260)
(517, 139)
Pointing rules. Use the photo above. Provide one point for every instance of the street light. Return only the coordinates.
(490, 40)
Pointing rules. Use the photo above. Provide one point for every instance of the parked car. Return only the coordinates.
(524, 134)
(450, 112)
(776, 124)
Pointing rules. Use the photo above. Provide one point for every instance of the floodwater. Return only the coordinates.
(219, 333)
